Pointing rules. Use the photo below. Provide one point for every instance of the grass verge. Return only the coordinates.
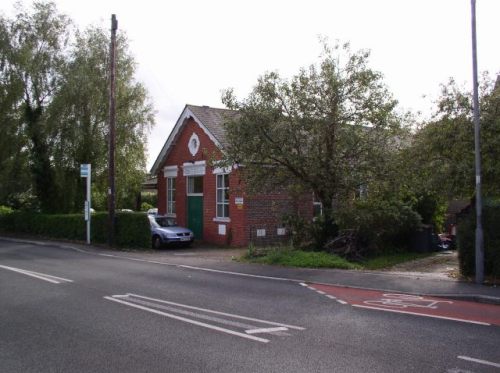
(289, 257)
(298, 258)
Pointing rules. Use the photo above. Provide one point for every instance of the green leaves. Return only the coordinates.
(327, 129)
(54, 110)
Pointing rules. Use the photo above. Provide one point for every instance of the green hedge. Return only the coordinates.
(132, 229)
(466, 242)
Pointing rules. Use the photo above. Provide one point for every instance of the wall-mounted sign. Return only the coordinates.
(238, 200)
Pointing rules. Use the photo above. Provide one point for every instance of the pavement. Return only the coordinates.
(225, 260)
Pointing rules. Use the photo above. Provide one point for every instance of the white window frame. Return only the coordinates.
(170, 188)
(188, 178)
(224, 202)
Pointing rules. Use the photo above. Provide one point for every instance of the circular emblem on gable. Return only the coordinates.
(194, 144)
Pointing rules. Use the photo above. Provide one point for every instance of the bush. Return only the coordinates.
(466, 242)
(132, 229)
(381, 224)
(5, 210)
(310, 235)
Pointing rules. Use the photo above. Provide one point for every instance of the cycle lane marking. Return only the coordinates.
(190, 313)
(441, 308)
(38, 275)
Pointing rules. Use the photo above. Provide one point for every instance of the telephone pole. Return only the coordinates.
(477, 150)
(112, 119)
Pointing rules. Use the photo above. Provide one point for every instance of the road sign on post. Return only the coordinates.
(85, 171)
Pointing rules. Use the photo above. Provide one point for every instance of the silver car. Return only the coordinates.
(165, 231)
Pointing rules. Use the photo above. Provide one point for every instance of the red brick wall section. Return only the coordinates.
(235, 231)
(265, 216)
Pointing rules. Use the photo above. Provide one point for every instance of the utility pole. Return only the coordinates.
(477, 150)
(112, 119)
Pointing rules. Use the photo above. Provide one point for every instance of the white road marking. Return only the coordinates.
(303, 284)
(341, 301)
(239, 273)
(40, 276)
(189, 321)
(320, 292)
(211, 311)
(266, 330)
(331, 297)
(191, 313)
(479, 361)
(422, 314)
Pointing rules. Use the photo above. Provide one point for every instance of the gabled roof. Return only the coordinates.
(211, 121)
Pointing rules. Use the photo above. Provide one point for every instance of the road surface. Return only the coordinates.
(65, 310)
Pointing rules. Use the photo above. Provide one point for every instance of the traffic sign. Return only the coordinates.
(84, 170)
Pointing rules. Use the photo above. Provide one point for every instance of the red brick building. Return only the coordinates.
(211, 200)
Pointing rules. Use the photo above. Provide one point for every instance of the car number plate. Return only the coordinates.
(185, 238)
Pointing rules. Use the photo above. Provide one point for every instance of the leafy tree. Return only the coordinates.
(442, 154)
(54, 108)
(80, 115)
(329, 129)
(33, 54)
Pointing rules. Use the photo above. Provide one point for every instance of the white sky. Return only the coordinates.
(188, 51)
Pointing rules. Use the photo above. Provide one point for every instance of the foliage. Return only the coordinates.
(466, 242)
(5, 210)
(441, 157)
(381, 223)
(298, 258)
(309, 235)
(132, 230)
(288, 256)
(54, 108)
(146, 206)
(329, 129)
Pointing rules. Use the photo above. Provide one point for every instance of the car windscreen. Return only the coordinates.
(165, 222)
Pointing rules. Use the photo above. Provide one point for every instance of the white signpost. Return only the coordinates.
(85, 171)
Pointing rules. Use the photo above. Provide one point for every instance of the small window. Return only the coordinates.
(222, 196)
(170, 195)
(195, 185)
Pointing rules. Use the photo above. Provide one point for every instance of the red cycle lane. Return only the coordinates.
(437, 307)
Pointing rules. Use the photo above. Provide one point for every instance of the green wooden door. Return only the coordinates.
(195, 215)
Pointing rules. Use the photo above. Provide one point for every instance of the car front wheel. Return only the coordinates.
(157, 242)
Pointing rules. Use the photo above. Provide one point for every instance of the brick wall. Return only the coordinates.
(235, 229)
(265, 216)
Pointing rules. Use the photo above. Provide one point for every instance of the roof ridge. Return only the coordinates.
(209, 107)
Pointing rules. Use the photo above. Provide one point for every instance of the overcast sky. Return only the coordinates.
(188, 51)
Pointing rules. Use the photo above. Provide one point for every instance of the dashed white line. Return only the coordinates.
(323, 293)
(479, 361)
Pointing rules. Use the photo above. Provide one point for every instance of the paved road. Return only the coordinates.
(64, 310)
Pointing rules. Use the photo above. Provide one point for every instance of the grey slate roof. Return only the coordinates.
(213, 119)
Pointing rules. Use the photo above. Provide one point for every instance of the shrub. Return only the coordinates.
(146, 206)
(466, 242)
(132, 230)
(5, 210)
(381, 224)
